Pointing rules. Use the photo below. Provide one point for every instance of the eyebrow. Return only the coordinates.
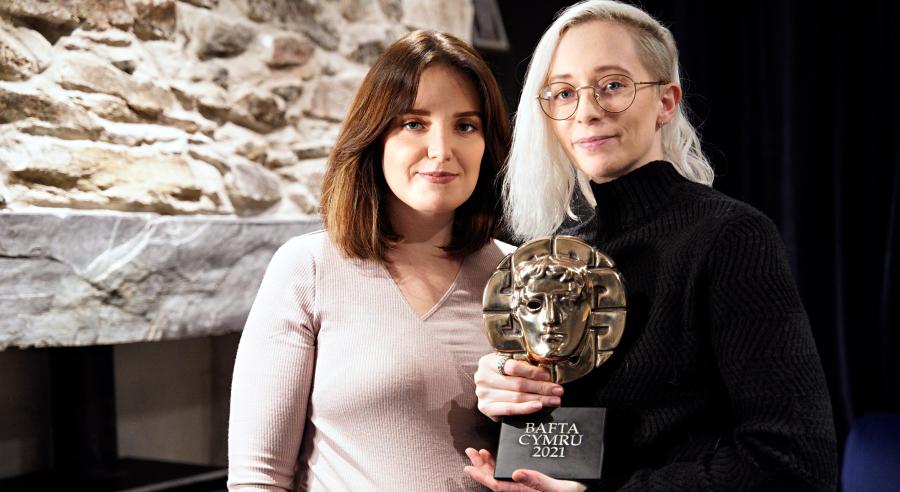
(422, 112)
(600, 69)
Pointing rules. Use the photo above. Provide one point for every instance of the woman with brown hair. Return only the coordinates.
(354, 371)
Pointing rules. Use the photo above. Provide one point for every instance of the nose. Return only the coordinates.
(439, 148)
(553, 315)
(588, 109)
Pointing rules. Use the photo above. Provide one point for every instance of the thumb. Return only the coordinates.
(535, 480)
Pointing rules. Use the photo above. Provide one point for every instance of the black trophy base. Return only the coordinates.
(563, 443)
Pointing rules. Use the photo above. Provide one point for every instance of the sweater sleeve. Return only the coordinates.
(783, 433)
(273, 374)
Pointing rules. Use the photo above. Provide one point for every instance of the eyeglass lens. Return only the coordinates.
(614, 93)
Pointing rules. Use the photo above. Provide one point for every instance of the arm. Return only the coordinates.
(272, 375)
(783, 435)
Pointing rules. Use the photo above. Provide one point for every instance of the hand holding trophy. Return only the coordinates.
(558, 303)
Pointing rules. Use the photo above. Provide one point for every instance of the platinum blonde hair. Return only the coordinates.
(538, 167)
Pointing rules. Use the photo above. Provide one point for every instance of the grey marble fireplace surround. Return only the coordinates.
(77, 278)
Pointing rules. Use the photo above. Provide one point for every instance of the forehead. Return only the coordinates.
(595, 44)
(442, 87)
(550, 285)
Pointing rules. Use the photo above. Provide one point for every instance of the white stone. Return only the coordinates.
(23, 52)
(364, 42)
(154, 19)
(37, 113)
(453, 16)
(48, 172)
(361, 10)
(109, 37)
(137, 134)
(89, 73)
(252, 188)
(312, 149)
(330, 97)
(242, 141)
(285, 49)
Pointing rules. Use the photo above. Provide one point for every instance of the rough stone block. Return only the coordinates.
(80, 174)
(453, 16)
(154, 19)
(18, 104)
(286, 50)
(251, 188)
(23, 53)
(88, 73)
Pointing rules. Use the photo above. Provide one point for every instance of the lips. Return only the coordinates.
(592, 143)
(553, 338)
(438, 177)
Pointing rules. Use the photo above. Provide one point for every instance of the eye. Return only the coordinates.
(467, 127)
(564, 94)
(534, 305)
(614, 84)
(413, 125)
(558, 92)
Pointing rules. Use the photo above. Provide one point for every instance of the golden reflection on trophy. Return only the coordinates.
(556, 302)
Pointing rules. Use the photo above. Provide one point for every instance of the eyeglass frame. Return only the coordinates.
(596, 95)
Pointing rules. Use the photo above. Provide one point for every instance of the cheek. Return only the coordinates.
(471, 154)
(560, 129)
(523, 314)
(396, 157)
(644, 120)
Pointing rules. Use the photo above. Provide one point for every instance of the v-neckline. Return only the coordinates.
(437, 304)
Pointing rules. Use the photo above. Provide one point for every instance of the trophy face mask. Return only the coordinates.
(558, 303)
(553, 307)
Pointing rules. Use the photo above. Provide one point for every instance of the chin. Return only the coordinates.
(594, 164)
(435, 208)
(602, 170)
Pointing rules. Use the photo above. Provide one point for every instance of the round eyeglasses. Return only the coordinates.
(614, 93)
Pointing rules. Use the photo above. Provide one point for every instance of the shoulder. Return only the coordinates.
(485, 260)
(738, 239)
(303, 250)
(727, 215)
(504, 248)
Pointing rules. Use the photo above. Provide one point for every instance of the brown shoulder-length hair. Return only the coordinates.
(354, 190)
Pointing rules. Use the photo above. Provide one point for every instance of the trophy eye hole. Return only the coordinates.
(534, 305)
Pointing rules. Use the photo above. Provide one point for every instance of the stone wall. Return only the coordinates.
(155, 153)
(224, 107)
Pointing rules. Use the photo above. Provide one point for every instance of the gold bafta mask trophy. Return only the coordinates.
(559, 303)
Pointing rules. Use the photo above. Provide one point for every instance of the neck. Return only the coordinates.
(656, 154)
(423, 233)
(635, 195)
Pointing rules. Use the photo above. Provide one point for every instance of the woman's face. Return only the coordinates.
(607, 145)
(432, 154)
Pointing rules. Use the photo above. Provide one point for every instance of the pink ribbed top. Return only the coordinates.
(340, 385)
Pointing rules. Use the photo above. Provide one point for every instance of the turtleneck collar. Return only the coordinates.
(633, 196)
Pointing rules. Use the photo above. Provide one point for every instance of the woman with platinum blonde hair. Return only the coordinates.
(540, 169)
(716, 383)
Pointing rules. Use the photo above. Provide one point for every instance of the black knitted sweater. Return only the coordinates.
(716, 384)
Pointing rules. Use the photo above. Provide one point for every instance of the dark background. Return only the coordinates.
(798, 106)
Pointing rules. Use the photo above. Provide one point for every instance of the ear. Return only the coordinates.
(669, 97)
